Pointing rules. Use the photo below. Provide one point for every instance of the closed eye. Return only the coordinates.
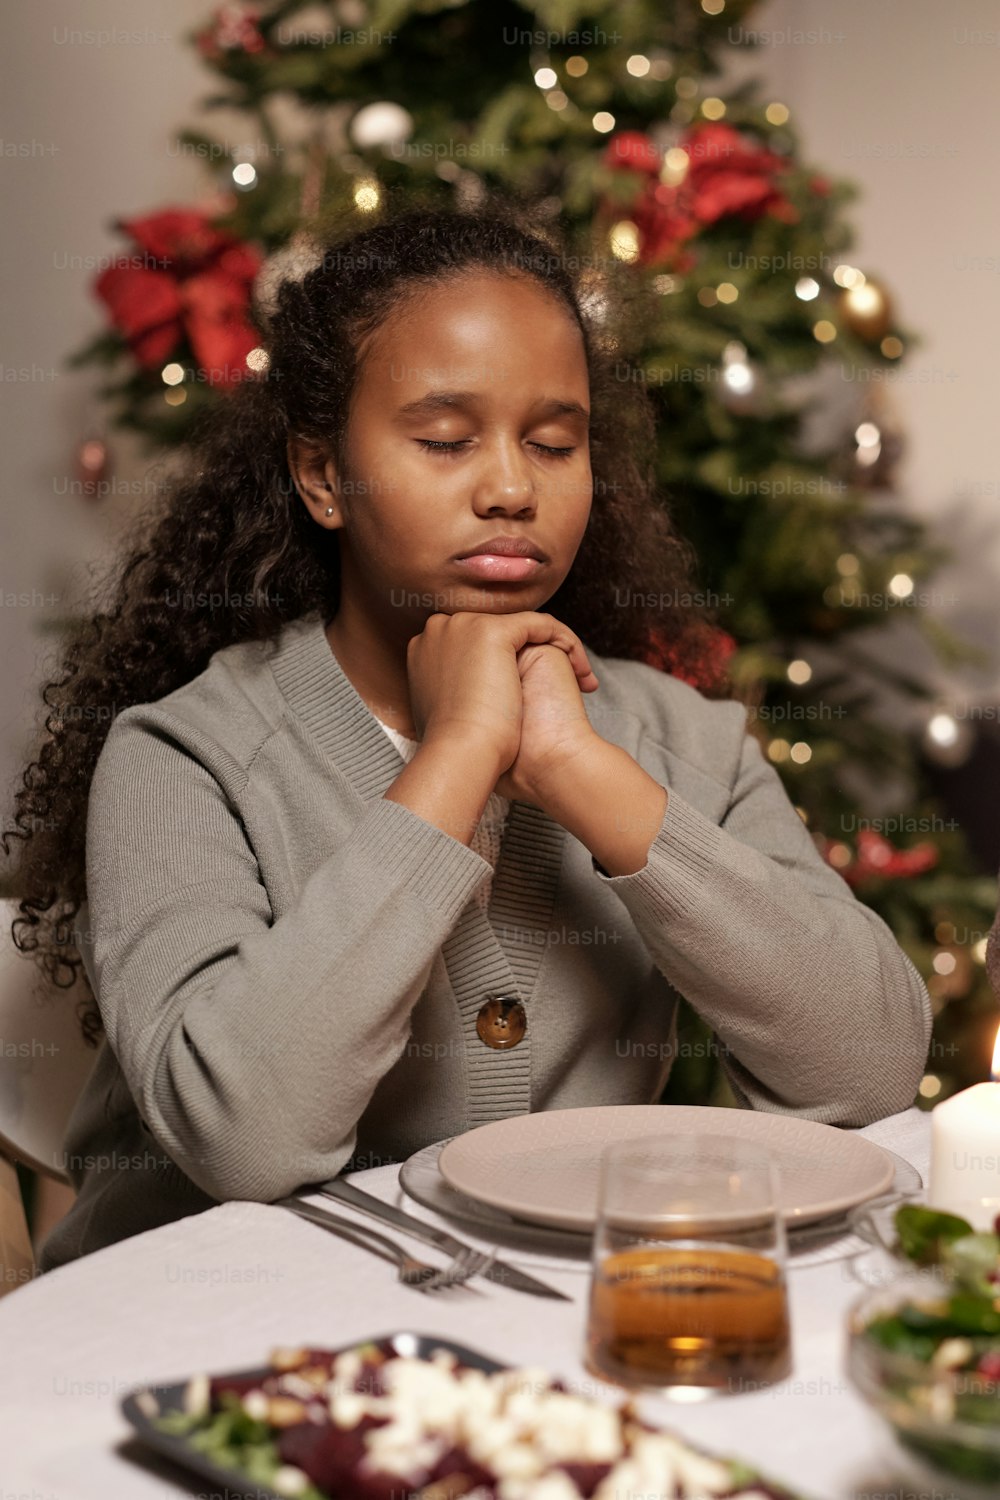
(434, 446)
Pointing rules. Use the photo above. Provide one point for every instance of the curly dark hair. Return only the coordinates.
(232, 526)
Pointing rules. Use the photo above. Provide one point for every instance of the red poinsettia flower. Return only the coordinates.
(193, 279)
(701, 658)
(727, 176)
(633, 151)
(730, 175)
(663, 230)
(876, 856)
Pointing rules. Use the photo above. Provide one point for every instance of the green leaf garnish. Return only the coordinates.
(972, 1257)
(924, 1232)
(177, 1423)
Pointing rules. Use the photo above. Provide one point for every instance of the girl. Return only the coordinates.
(397, 830)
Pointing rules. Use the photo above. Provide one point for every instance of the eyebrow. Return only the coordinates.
(436, 401)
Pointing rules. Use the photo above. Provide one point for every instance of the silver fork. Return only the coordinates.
(412, 1272)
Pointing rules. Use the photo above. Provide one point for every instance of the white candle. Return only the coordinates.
(965, 1152)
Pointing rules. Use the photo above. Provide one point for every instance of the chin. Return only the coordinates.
(492, 601)
(510, 601)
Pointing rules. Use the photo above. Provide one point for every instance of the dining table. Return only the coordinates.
(218, 1290)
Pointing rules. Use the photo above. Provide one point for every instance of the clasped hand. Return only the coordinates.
(511, 683)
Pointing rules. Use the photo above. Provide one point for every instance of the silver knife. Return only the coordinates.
(499, 1271)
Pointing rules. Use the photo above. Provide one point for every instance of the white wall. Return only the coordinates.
(887, 95)
(94, 121)
(900, 96)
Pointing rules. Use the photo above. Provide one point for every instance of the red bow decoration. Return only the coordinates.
(192, 280)
(727, 176)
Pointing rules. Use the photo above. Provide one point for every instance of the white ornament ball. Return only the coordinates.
(381, 124)
(947, 740)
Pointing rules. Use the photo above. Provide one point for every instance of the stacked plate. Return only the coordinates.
(532, 1179)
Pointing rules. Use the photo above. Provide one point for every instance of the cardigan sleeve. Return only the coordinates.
(819, 1011)
(251, 1047)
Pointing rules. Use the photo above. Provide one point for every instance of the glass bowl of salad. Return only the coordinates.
(875, 1223)
(923, 1350)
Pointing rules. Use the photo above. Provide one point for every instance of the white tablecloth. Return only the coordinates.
(218, 1290)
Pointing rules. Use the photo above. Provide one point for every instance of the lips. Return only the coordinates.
(510, 568)
(505, 546)
(502, 559)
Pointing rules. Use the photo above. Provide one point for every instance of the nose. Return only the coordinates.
(507, 483)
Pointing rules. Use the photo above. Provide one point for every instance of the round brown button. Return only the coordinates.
(502, 1021)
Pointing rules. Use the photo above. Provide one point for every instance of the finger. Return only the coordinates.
(586, 682)
(586, 678)
(541, 629)
(581, 664)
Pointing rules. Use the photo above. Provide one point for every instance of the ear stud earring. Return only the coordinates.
(329, 510)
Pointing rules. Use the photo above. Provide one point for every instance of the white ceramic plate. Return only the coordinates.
(421, 1180)
(543, 1167)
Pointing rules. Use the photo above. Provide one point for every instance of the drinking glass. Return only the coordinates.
(688, 1289)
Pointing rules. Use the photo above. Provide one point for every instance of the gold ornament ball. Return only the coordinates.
(867, 310)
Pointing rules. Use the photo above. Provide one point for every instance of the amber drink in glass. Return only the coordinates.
(688, 1289)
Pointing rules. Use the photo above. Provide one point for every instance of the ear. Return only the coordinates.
(314, 475)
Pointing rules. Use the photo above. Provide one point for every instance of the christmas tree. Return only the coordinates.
(615, 122)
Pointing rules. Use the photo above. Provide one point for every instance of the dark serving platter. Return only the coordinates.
(231, 1484)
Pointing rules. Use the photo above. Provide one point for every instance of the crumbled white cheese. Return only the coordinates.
(480, 1397)
(484, 1439)
(294, 1385)
(532, 1379)
(697, 1473)
(348, 1407)
(604, 1442)
(569, 1427)
(196, 1395)
(658, 1461)
(518, 1461)
(627, 1478)
(554, 1486)
(515, 1424)
(256, 1405)
(289, 1481)
(147, 1403)
(347, 1366)
(399, 1452)
(428, 1389)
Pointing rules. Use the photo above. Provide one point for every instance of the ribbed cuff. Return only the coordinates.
(678, 864)
(442, 870)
